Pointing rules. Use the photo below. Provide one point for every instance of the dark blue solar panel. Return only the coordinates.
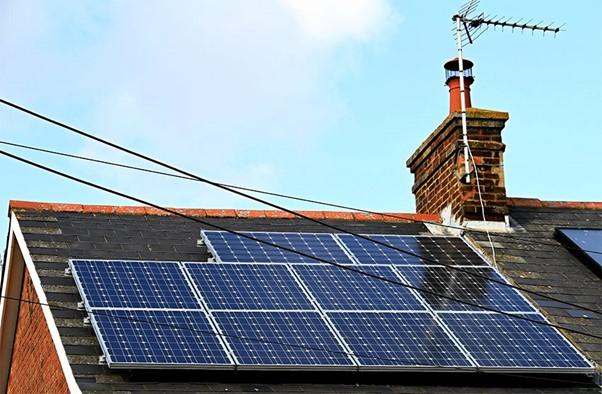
(281, 338)
(447, 250)
(248, 286)
(588, 241)
(158, 337)
(233, 248)
(133, 284)
(465, 287)
(397, 339)
(496, 340)
(337, 289)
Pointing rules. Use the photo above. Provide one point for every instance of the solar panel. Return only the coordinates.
(295, 313)
(136, 338)
(500, 341)
(338, 289)
(234, 248)
(586, 241)
(465, 287)
(248, 286)
(133, 284)
(398, 339)
(447, 250)
(271, 339)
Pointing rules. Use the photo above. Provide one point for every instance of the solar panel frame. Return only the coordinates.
(325, 296)
(406, 256)
(97, 314)
(211, 247)
(375, 367)
(588, 367)
(324, 315)
(85, 294)
(203, 293)
(340, 351)
(492, 289)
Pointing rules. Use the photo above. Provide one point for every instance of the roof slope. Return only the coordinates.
(54, 234)
(546, 266)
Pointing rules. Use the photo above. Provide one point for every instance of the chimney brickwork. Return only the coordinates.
(438, 168)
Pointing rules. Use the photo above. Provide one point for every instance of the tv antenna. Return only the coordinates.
(468, 28)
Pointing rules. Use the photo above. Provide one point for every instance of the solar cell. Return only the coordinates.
(234, 248)
(447, 250)
(247, 286)
(337, 289)
(465, 287)
(158, 337)
(294, 339)
(406, 339)
(500, 341)
(133, 284)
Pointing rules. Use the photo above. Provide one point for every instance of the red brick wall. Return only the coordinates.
(35, 366)
(438, 164)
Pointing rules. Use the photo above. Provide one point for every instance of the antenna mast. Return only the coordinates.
(467, 30)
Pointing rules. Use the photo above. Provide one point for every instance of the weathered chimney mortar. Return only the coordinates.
(437, 166)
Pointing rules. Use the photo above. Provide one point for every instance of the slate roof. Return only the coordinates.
(56, 233)
(546, 266)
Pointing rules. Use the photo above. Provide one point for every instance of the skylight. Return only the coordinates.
(586, 243)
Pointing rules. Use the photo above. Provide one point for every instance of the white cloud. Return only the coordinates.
(333, 21)
(229, 89)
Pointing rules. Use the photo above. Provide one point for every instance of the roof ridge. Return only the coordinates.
(19, 205)
(537, 203)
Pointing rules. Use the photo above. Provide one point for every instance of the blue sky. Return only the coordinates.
(317, 98)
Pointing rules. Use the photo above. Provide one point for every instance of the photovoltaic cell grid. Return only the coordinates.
(423, 250)
(158, 338)
(282, 338)
(463, 286)
(337, 289)
(501, 341)
(248, 286)
(268, 319)
(234, 248)
(133, 284)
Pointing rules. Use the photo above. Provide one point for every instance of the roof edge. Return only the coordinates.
(522, 202)
(19, 205)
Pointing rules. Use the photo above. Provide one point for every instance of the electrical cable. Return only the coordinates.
(407, 252)
(265, 341)
(297, 198)
(476, 175)
(292, 212)
(322, 260)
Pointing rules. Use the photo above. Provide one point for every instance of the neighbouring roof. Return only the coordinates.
(54, 233)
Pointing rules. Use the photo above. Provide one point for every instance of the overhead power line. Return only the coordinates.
(292, 212)
(290, 197)
(316, 258)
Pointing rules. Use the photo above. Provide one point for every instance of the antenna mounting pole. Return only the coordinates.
(459, 22)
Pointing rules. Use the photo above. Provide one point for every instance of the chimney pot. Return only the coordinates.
(452, 79)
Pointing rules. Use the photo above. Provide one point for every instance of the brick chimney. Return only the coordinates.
(438, 166)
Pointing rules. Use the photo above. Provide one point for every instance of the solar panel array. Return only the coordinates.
(261, 308)
(588, 241)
